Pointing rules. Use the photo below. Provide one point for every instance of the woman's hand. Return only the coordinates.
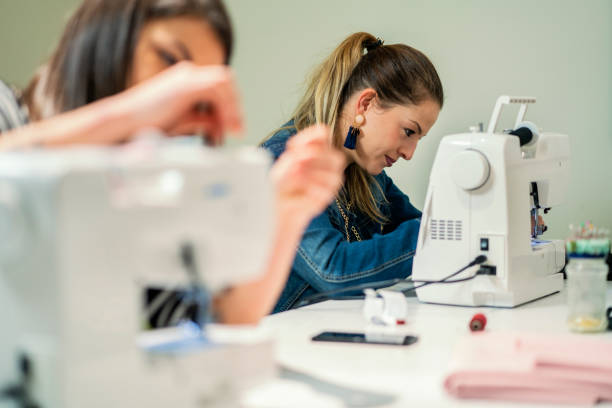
(186, 99)
(307, 175)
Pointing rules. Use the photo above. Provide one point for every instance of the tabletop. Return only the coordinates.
(366, 375)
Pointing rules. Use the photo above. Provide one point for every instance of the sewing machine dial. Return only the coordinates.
(470, 169)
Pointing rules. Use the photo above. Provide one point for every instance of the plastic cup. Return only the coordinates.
(586, 295)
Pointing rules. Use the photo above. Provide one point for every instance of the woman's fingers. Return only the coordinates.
(214, 88)
(298, 166)
(314, 136)
(207, 125)
(303, 162)
(188, 98)
(309, 173)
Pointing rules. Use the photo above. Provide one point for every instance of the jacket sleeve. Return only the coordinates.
(400, 205)
(11, 113)
(328, 262)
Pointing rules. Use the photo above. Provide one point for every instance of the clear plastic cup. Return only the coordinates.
(586, 294)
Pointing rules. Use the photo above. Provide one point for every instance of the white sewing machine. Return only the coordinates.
(482, 189)
(87, 231)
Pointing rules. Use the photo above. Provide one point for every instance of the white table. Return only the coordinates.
(402, 376)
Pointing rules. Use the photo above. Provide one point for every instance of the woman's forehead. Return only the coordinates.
(193, 34)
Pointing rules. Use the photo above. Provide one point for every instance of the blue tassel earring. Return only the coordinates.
(351, 138)
(353, 132)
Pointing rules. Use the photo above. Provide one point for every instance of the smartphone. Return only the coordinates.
(359, 338)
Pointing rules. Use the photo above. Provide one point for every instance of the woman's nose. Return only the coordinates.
(407, 151)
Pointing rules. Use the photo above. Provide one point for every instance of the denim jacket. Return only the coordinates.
(326, 261)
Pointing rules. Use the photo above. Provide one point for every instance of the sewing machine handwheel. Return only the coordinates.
(470, 169)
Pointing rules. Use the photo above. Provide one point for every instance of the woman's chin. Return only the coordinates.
(374, 170)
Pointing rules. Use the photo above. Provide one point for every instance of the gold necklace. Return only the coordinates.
(346, 222)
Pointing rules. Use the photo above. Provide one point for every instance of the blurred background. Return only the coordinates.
(559, 51)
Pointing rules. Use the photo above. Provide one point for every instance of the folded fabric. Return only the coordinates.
(529, 367)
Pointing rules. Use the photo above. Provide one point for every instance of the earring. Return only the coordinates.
(353, 132)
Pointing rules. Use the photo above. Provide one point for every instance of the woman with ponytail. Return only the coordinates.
(379, 101)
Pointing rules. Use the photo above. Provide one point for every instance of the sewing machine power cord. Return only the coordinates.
(333, 294)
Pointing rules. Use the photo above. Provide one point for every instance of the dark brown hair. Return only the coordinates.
(94, 56)
(400, 75)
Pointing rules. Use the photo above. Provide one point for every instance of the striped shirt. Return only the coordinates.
(13, 113)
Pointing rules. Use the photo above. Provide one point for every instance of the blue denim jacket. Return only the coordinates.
(326, 261)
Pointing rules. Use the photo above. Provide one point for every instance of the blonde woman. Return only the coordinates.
(380, 101)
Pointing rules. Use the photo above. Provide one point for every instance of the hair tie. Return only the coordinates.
(372, 45)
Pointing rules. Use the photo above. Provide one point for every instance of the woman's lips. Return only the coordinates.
(389, 160)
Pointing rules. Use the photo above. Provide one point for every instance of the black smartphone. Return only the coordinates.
(359, 338)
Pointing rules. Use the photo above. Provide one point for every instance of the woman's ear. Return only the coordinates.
(365, 100)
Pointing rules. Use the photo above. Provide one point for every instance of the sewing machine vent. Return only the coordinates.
(450, 230)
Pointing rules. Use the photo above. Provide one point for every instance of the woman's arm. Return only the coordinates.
(101, 122)
(181, 98)
(328, 262)
(307, 177)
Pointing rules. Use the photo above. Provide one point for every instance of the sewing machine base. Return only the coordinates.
(462, 295)
(494, 307)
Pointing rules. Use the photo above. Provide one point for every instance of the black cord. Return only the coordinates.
(198, 294)
(428, 282)
(319, 297)
(477, 261)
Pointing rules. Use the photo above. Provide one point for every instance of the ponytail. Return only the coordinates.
(398, 73)
(320, 103)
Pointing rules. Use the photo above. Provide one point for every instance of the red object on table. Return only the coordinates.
(478, 322)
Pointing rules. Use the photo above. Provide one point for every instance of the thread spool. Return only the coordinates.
(478, 322)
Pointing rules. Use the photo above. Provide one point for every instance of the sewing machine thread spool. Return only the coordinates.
(524, 134)
(528, 135)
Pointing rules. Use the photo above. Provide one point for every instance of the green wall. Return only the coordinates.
(559, 51)
(29, 30)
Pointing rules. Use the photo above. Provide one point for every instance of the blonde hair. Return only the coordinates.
(398, 73)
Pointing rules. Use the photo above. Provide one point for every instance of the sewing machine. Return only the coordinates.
(86, 232)
(484, 188)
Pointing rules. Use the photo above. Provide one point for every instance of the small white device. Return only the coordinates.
(385, 313)
(483, 188)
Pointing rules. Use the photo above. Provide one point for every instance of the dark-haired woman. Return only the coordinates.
(110, 46)
(380, 101)
(125, 65)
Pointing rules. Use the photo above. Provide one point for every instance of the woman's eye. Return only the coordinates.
(409, 132)
(168, 58)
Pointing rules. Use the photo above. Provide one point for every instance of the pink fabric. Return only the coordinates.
(562, 369)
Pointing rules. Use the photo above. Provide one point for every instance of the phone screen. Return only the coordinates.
(359, 338)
